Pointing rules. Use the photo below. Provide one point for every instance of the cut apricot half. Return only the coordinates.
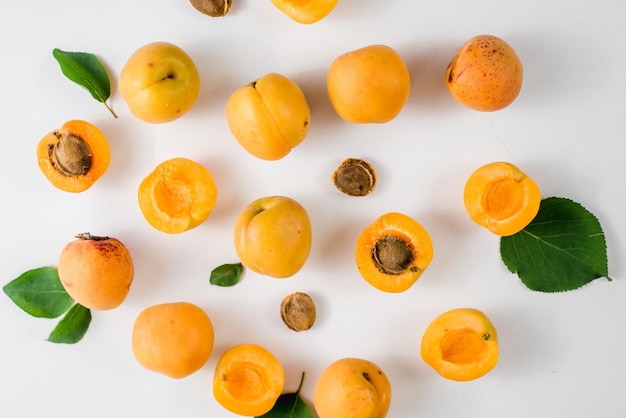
(460, 344)
(74, 156)
(393, 252)
(501, 198)
(248, 380)
(177, 196)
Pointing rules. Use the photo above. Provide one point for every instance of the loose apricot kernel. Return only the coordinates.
(297, 311)
(355, 177)
(73, 157)
(393, 252)
(213, 8)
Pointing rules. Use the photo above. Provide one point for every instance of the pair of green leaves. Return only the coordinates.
(562, 249)
(39, 292)
(87, 71)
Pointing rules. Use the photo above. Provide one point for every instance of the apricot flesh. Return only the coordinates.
(269, 117)
(368, 85)
(305, 11)
(248, 379)
(174, 339)
(501, 198)
(460, 344)
(96, 272)
(273, 236)
(352, 388)
(486, 74)
(392, 252)
(178, 195)
(74, 156)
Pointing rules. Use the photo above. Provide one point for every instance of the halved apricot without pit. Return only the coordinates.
(501, 198)
(393, 252)
(248, 380)
(177, 196)
(460, 344)
(73, 157)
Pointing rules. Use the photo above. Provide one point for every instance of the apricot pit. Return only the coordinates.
(355, 177)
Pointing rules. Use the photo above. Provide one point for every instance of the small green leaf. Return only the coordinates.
(226, 274)
(72, 327)
(39, 292)
(562, 249)
(87, 71)
(289, 405)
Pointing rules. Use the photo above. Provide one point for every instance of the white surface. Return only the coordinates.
(561, 354)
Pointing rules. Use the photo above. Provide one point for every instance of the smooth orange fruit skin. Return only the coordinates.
(174, 339)
(100, 152)
(96, 273)
(305, 11)
(368, 85)
(248, 379)
(269, 117)
(352, 388)
(486, 74)
(178, 195)
(272, 236)
(406, 229)
(460, 344)
(501, 198)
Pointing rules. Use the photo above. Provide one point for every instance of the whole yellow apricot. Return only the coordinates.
(273, 236)
(352, 388)
(248, 380)
(159, 82)
(305, 11)
(96, 271)
(269, 116)
(368, 85)
(460, 344)
(175, 339)
(486, 74)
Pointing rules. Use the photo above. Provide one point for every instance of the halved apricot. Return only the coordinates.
(73, 157)
(501, 198)
(393, 252)
(248, 380)
(460, 344)
(177, 196)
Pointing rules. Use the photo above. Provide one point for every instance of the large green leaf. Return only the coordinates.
(87, 71)
(290, 405)
(562, 249)
(72, 328)
(40, 293)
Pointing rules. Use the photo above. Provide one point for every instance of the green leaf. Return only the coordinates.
(87, 71)
(226, 274)
(289, 405)
(72, 327)
(562, 249)
(39, 292)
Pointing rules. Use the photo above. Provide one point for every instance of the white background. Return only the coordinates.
(561, 354)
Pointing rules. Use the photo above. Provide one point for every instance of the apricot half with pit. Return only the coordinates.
(73, 157)
(96, 271)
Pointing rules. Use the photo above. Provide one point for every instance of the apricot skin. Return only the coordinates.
(305, 11)
(174, 339)
(93, 138)
(248, 379)
(269, 117)
(486, 74)
(352, 388)
(96, 272)
(273, 236)
(368, 85)
(460, 344)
